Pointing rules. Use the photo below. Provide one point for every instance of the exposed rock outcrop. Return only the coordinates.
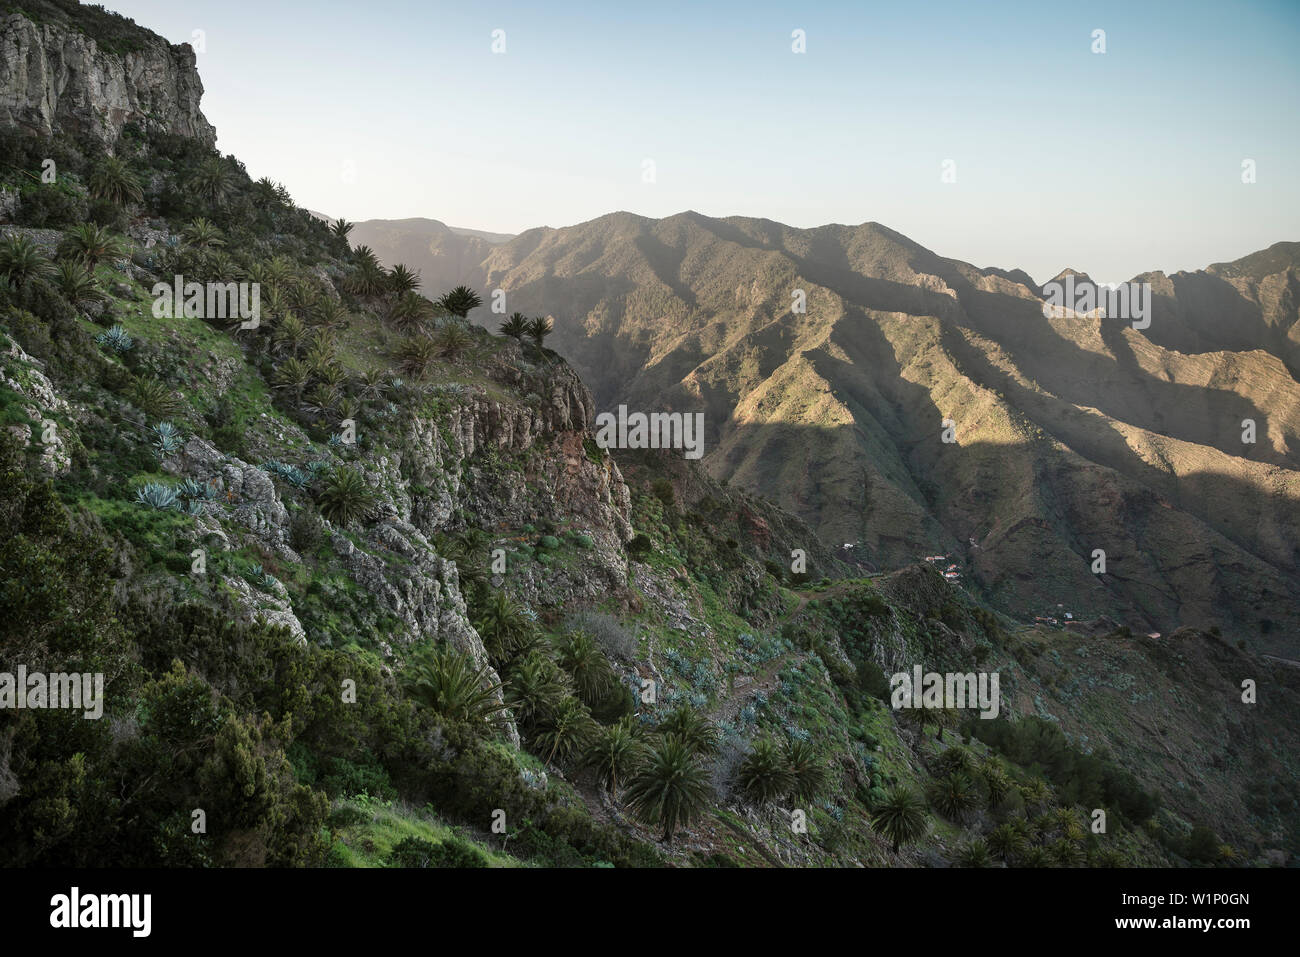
(54, 78)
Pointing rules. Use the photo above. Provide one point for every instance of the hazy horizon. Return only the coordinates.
(1110, 163)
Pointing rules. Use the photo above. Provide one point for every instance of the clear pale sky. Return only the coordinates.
(1109, 163)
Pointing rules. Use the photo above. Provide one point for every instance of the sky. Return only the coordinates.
(1111, 163)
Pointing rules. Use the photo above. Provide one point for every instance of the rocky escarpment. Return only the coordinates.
(55, 78)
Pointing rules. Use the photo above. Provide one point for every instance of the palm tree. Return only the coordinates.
(900, 818)
(538, 329)
(373, 382)
(453, 339)
(153, 398)
(321, 400)
(567, 731)
(763, 776)
(21, 261)
(955, 759)
(448, 682)
(292, 375)
(408, 311)
(290, 334)
(267, 192)
(203, 234)
(1007, 842)
(212, 181)
(954, 795)
(692, 729)
(580, 656)
(996, 781)
(346, 497)
(91, 244)
(341, 227)
(974, 854)
(503, 626)
(807, 775)
(460, 301)
(516, 327)
(77, 283)
(535, 688)
(365, 257)
(367, 280)
(415, 353)
(671, 788)
(1065, 853)
(113, 180)
(615, 753)
(401, 280)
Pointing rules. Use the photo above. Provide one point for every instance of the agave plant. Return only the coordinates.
(189, 488)
(166, 439)
(157, 495)
(116, 339)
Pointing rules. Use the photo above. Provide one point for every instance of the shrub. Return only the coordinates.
(619, 643)
(306, 531)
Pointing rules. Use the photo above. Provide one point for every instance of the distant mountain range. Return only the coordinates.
(1073, 434)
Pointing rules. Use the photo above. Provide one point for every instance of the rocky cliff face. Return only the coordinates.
(55, 78)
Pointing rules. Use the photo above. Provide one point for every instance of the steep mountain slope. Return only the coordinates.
(364, 589)
(1072, 433)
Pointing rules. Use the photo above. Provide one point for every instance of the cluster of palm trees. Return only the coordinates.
(1032, 831)
(556, 685)
(72, 273)
(518, 326)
